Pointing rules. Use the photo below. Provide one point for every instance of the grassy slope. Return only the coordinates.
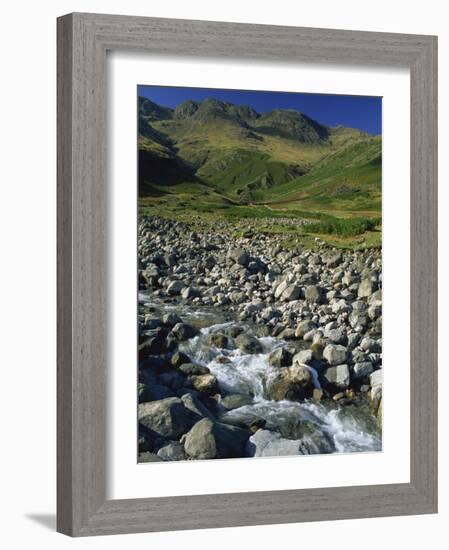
(340, 177)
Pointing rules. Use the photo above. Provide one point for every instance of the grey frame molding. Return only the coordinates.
(83, 40)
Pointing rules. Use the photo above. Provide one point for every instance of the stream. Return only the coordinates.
(330, 427)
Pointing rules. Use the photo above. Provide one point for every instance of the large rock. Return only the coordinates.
(313, 294)
(303, 357)
(179, 358)
(268, 443)
(171, 452)
(334, 260)
(218, 340)
(294, 383)
(194, 404)
(183, 331)
(175, 288)
(148, 457)
(239, 256)
(335, 354)
(190, 368)
(189, 292)
(154, 392)
(235, 401)
(280, 288)
(336, 335)
(208, 439)
(280, 357)
(154, 344)
(205, 383)
(168, 418)
(171, 319)
(303, 327)
(292, 292)
(366, 288)
(362, 369)
(248, 344)
(338, 376)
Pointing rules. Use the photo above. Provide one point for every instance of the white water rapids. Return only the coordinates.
(335, 428)
(346, 429)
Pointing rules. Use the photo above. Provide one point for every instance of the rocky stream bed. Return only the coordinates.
(247, 348)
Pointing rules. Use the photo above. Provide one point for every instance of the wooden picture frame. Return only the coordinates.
(83, 40)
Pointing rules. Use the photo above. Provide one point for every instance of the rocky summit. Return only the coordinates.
(248, 347)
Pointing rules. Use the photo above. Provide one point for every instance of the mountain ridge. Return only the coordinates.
(247, 156)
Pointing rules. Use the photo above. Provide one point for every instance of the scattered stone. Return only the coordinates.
(335, 354)
(294, 383)
(235, 401)
(171, 452)
(280, 357)
(208, 439)
(183, 331)
(205, 383)
(303, 327)
(175, 288)
(148, 457)
(168, 418)
(303, 357)
(366, 288)
(248, 344)
(338, 376)
(190, 368)
(313, 294)
(362, 370)
(218, 340)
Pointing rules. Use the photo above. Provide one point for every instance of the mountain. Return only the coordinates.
(235, 155)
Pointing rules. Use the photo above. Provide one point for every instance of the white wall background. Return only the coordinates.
(27, 252)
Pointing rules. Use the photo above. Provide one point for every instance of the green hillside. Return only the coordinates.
(215, 158)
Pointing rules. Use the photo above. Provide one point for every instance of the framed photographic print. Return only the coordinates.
(246, 274)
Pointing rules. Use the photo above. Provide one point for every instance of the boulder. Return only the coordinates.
(280, 357)
(171, 319)
(154, 343)
(313, 294)
(205, 383)
(190, 368)
(218, 340)
(189, 292)
(303, 327)
(248, 344)
(303, 357)
(148, 457)
(294, 383)
(268, 443)
(235, 401)
(167, 418)
(292, 292)
(334, 259)
(363, 369)
(183, 331)
(338, 377)
(335, 354)
(366, 288)
(171, 452)
(193, 403)
(179, 358)
(336, 335)
(239, 256)
(208, 439)
(175, 287)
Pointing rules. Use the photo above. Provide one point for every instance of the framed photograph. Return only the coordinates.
(247, 274)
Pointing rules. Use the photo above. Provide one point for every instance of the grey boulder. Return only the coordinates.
(168, 418)
(208, 439)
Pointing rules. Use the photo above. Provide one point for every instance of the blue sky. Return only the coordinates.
(362, 112)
